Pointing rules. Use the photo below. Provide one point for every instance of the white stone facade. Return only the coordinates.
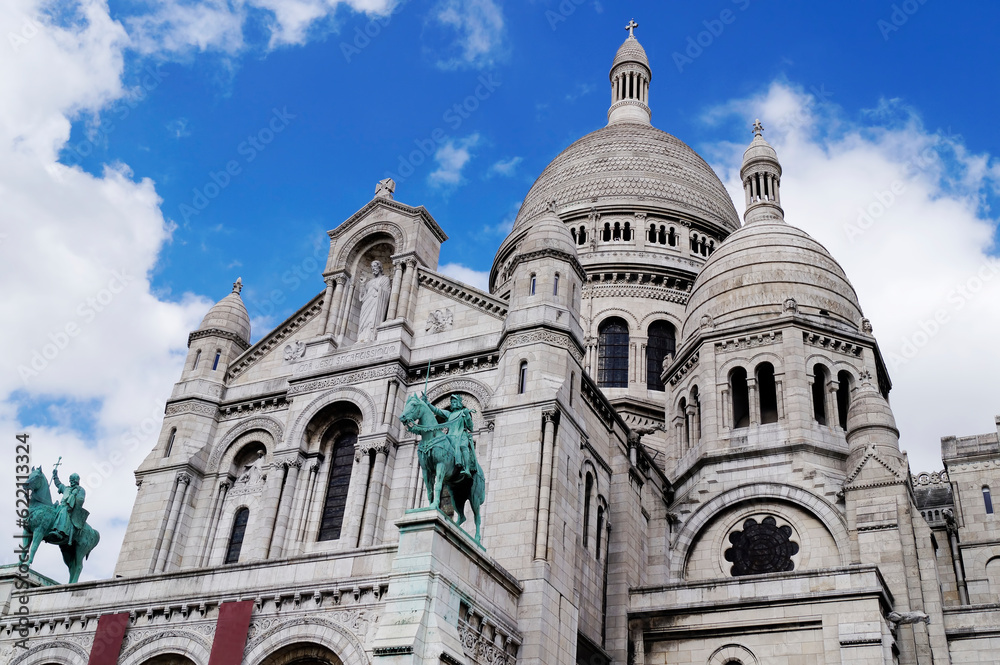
(683, 423)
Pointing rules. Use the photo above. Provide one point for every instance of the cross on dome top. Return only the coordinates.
(238, 285)
(758, 128)
(632, 25)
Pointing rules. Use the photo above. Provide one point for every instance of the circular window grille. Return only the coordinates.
(761, 547)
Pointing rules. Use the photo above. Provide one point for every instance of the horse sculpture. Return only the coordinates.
(42, 514)
(438, 454)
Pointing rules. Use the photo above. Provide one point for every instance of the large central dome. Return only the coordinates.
(631, 163)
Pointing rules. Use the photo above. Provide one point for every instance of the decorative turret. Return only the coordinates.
(761, 176)
(630, 76)
(224, 333)
(872, 432)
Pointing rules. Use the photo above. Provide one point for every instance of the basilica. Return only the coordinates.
(682, 420)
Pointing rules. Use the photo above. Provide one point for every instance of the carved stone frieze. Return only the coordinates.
(191, 406)
(440, 320)
(455, 367)
(748, 342)
(559, 339)
(832, 344)
(346, 379)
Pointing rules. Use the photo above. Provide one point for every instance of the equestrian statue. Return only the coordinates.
(447, 454)
(63, 523)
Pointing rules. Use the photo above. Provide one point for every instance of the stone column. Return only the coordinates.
(154, 565)
(545, 486)
(213, 523)
(374, 497)
(397, 278)
(263, 534)
(727, 410)
(694, 427)
(178, 511)
(753, 401)
(284, 509)
(345, 310)
(314, 511)
(328, 303)
(357, 490)
(302, 514)
(390, 402)
(832, 417)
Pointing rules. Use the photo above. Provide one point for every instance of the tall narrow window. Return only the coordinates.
(597, 534)
(672, 238)
(682, 413)
(606, 236)
(236, 537)
(739, 392)
(652, 233)
(531, 285)
(987, 500)
(582, 235)
(588, 491)
(819, 394)
(522, 377)
(767, 393)
(612, 354)
(555, 285)
(844, 396)
(218, 355)
(170, 442)
(341, 462)
(662, 341)
(197, 357)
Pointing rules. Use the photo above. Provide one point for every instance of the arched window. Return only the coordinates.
(844, 396)
(572, 383)
(588, 491)
(740, 395)
(987, 500)
(581, 237)
(341, 463)
(704, 247)
(170, 442)
(218, 355)
(662, 238)
(672, 237)
(682, 414)
(819, 393)
(767, 393)
(236, 537)
(627, 232)
(600, 528)
(652, 233)
(616, 234)
(694, 419)
(522, 377)
(694, 242)
(572, 232)
(197, 357)
(612, 353)
(555, 286)
(606, 236)
(711, 247)
(662, 340)
(531, 284)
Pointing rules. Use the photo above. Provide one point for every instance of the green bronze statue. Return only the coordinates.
(63, 524)
(447, 454)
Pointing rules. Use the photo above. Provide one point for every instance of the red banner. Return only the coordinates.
(231, 633)
(108, 640)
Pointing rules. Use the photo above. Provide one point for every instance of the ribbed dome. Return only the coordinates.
(548, 232)
(759, 149)
(634, 165)
(755, 272)
(631, 51)
(229, 315)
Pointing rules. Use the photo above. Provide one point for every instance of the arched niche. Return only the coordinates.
(302, 653)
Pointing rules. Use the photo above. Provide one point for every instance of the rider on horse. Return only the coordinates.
(71, 515)
(458, 421)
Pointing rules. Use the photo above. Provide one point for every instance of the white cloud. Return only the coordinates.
(908, 252)
(479, 25)
(476, 278)
(451, 158)
(505, 167)
(180, 26)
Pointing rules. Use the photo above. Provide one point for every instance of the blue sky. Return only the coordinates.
(153, 151)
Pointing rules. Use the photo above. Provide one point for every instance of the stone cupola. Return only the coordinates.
(630, 76)
(761, 176)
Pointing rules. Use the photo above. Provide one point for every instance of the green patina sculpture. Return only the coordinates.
(447, 454)
(63, 524)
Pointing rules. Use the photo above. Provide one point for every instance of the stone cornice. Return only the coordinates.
(551, 252)
(271, 340)
(391, 204)
(215, 332)
(462, 293)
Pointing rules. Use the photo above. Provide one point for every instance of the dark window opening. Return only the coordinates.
(555, 286)
(843, 397)
(531, 286)
(616, 234)
(627, 232)
(215, 365)
(672, 238)
(819, 394)
(606, 236)
(600, 528)
(582, 237)
(522, 377)
(652, 233)
(341, 464)
(236, 537)
(170, 442)
(197, 358)
(662, 340)
(767, 393)
(987, 500)
(612, 354)
(587, 492)
(740, 396)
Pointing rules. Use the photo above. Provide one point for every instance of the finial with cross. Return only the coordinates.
(758, 128)
(238, 285)
(632, 25)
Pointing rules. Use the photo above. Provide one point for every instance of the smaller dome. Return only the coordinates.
(759, 149)
(547, 231)
(229, 315)
(869, 409)
(631, 51)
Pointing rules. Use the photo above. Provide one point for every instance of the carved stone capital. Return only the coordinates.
(551, 415)
(184, 478)
(224, 486)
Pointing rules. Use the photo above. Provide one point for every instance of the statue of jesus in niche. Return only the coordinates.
(374, 301)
